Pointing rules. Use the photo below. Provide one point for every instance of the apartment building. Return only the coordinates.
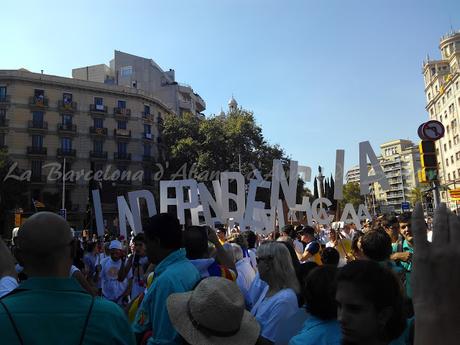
(443, 100)
(92, 126)
(144, 74)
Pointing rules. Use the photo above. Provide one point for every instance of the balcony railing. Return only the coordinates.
(67, 128)
(122, 133)
(121, 112)
(36, 150)
(6, 99)
(66, 152)
(4, 122)
(98, 154)
(38, 101)
(38, 125)
(71, 106)
(122, 156)
(98, 108)
(98, 131)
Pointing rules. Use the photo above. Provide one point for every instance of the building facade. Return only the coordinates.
(144, 74)
(443, 100)
(46, 120)
(400, 160)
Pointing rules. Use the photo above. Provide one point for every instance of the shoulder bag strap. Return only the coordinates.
(12, 322)
(82, 337)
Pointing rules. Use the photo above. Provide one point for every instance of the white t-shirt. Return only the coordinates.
(272, 311)
(246, 275)
(112, 289)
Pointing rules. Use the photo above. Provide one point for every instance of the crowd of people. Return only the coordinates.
(390, 280)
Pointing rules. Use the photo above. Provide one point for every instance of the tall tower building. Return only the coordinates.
(443, 101)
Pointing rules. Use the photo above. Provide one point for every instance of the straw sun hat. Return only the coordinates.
(213, 314)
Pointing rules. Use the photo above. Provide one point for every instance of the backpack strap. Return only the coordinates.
(21, 341)
(82, 337)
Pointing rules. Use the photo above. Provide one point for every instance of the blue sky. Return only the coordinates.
(319, 75)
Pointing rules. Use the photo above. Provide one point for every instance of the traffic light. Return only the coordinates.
(428, 162)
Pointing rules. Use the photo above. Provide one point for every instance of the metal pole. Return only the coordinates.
(63, 186)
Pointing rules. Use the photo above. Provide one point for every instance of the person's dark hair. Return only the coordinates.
(405, 218)
(196, 242)
(389, 221)
(376, 245)
(139, 238)
(308, 230)
(166, 228)
(330, 256)
(251, 238)
(381, 287)
(319, 292)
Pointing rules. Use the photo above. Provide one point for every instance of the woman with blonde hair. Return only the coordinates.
(278, 302)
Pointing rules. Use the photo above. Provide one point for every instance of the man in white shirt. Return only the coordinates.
(113, 289)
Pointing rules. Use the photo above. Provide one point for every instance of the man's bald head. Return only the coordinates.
(44, 240)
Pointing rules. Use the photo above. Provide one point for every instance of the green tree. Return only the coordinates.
(351, 195)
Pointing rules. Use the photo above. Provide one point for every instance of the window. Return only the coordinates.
(146, 110)
(121, 124)
(122, 104)
(98, 123)
(37, 141)
(98, 145)
(122, 148)
(147, 150)
(66, 144)
(126, 71)
(67, 120)
(36, 168)
(37, 119)
(99, 102)
(2, 93)
(67, 98)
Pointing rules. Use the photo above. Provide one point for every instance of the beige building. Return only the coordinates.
(443, 100)
(400, 161)
(144, 74)
(45, 119)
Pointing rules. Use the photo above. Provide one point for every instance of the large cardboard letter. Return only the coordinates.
(124, 213)
(178, 200)
(289, 189)
(365, 150)
(98, 212)
(238, 198)
(339, 165)
(134, 200)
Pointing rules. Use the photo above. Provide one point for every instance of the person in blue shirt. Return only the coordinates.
(321, 327)
(173, 273)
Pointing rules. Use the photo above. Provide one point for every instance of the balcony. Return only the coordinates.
(67, 153)
(122, 156)
(122, 113)
(100, 132)
(38, 102)
(122, 133)
(97, 109)
(36, 151)
(67, 107)
(4, 123)
(67, 129)
(5, 100)
(102, 155)
(37, 126)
